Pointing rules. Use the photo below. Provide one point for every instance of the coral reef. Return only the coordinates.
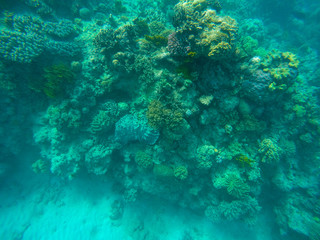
(178, 100)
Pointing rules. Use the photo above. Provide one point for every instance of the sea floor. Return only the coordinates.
(39, 206)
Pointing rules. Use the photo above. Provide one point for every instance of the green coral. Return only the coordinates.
(41, 166)
(157, 40)
(246, 208)
(102, 121)
(180, 172)
(243, 160)
(299, 110)
(143, 159)
(234, 185)
(205, 156)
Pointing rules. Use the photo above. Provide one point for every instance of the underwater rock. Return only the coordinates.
(129, 128)
(256, 88)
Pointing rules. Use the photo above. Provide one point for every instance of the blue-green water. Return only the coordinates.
(183, 120)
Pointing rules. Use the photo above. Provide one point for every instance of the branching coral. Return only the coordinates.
(283, 68)
(29, 37)
(270, 151)
(234, 185)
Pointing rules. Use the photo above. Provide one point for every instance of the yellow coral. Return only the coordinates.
(280, 73)
(157, 40)
(222, 49)
(293, 60)
(206, 100)
(243, 160)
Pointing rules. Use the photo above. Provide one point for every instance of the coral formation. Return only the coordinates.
(143, 159)
(199, 29)
(171, 99)
(130, 128)
(205, 156)
(181, 172)
(270, 151)
(234, 185)
(98, 158)
(283, 68)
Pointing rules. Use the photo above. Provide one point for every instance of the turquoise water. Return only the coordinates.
(183, 120)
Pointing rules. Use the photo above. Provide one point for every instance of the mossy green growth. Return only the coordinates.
(185, 70)
(243, 160)
(157, 40)
(56, 78)
(299, 110)
(141, 26)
